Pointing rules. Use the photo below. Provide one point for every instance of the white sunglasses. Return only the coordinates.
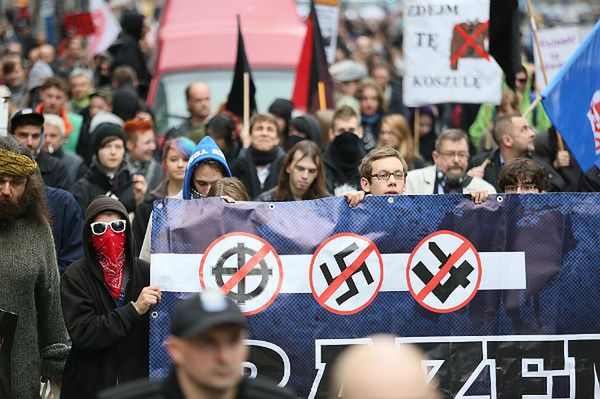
(99, 228)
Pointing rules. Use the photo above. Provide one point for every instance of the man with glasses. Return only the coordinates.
(383, 172)
(448, 174)
(106, 296)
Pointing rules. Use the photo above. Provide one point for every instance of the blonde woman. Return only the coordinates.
(395, 132)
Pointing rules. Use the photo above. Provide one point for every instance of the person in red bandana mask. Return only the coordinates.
(106, 297)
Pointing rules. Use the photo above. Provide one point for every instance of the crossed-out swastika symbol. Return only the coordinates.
(339, 259)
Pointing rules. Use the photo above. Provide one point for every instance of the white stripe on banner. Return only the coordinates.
(180, 272)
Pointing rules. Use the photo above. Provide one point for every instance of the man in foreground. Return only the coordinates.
(382, 370)
(29, 285)
(207, 348)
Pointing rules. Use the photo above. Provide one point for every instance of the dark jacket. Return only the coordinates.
(54, 172)
(492, 171)
(73, 162)
(67, 226)
(169, 389)
(110, 343)
(96, 182)
(244, 169)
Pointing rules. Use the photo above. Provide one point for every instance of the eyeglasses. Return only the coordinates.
(385, 175)
(524, 80)
(463, 156)
(99, 228)
(525, 188)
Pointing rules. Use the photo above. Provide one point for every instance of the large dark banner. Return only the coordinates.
(503, 296)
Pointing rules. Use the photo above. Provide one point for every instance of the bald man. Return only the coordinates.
(382, 371)
(197, 97)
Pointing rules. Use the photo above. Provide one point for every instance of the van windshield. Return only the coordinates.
(170, 108)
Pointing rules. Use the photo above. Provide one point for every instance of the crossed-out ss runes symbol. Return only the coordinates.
(458, 275)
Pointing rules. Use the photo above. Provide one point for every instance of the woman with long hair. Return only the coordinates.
(175, 156)
(302, 175)
(396, 133)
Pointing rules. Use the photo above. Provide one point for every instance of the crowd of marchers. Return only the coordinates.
(82, 164)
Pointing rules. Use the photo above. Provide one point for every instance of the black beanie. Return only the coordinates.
(107, 130)
(308, 125)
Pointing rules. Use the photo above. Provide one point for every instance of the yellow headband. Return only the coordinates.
(15, 165)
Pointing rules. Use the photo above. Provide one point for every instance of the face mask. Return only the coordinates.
(110, 248)
(349, 146)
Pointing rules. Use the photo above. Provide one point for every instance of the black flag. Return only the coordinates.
(235, 100)
(504, 37)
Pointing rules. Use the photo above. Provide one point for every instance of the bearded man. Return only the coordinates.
(29, 283)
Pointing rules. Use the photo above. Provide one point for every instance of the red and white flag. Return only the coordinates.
(106, 25)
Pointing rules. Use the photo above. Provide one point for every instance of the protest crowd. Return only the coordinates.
(83, 161)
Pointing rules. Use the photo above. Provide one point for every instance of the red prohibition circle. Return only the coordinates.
(271, 249)
(408, 270)
(312, 263)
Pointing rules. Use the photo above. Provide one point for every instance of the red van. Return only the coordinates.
(197, 41)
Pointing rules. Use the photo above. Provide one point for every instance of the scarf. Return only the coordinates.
(110, 248)
(347, 150)
(63, 115)
(262, 158)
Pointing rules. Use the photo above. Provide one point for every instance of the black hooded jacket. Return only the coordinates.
(96, 182)
(110, 344)
(126, 50)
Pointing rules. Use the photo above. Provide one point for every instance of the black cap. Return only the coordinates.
(203, 312)
(25, 116)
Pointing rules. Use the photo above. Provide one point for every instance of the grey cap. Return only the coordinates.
(40, 71)
(348, 71)
(204, 311)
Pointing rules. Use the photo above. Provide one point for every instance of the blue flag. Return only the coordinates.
(572, 101)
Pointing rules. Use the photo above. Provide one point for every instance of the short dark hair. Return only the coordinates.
(503, 126)
(124, 75)
(523, 170)
(366, 165)
(56, 82)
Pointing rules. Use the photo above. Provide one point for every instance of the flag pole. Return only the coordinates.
(416, 133)
(561, 144)
(246, 129)
(322, 100)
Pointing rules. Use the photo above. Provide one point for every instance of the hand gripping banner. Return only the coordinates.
(502, 296)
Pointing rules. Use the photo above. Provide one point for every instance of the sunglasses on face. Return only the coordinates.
(99, 228)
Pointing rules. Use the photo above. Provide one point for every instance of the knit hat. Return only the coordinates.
(107, 130)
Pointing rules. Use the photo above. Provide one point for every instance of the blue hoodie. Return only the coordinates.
(206, 150)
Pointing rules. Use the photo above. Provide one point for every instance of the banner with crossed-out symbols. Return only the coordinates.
(502, 296)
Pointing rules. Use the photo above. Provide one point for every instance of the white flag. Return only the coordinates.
(106, 24)
(446, 53)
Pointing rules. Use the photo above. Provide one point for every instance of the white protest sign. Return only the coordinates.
(557, 45)
(446, 53)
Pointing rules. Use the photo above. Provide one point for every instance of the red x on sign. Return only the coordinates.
(470, 41)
